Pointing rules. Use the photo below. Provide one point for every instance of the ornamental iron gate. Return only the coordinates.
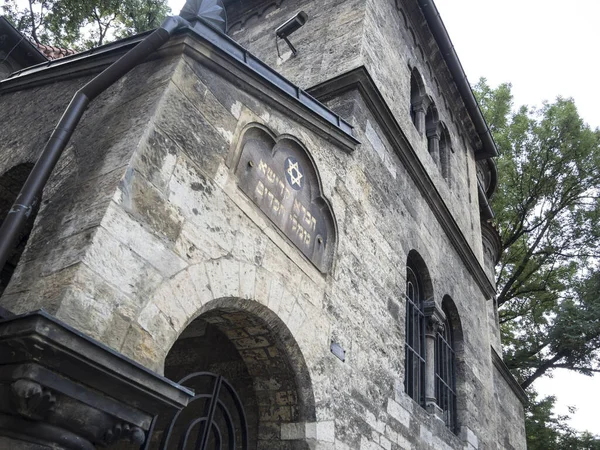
(188, 431)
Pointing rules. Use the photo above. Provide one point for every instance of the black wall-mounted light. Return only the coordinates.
(290, 25)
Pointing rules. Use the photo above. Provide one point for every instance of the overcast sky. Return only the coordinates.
(545, 48)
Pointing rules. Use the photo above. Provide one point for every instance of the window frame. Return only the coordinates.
(414, 345)
(445, 374)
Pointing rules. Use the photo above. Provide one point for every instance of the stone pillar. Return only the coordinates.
(419, 110)
(433, 145)
(434, 323)
(60, 389)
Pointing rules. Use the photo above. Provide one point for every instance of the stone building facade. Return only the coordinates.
(333, 260)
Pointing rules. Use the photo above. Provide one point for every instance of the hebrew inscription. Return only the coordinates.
(282, 181)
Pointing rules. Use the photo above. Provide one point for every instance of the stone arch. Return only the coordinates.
(456, 330)
(417, 100)
(445, 151)
(253, 348)
(11, 183)
(413, 36)
(402, 14)
(416, 262)
(432, 122)
(432, 117)
(430, 71)
(451, 312)
(279, 175)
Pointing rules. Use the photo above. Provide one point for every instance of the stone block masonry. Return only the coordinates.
(146, 241)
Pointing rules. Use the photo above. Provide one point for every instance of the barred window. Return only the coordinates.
(414, 380)
(445, 380)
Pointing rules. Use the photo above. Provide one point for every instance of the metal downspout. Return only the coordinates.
(31, 191)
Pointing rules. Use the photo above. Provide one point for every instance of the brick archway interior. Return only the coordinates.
(250, 352)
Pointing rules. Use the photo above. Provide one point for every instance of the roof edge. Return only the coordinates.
(22, 41)
(448, 52)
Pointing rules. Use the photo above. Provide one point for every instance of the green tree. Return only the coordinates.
(547, 208)
(548, 431)
(544, 429)
(83, 24)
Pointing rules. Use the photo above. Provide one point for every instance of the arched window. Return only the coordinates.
(445, 366)
(445, 150)
(432, 123)
(414, 347)
(417, 97)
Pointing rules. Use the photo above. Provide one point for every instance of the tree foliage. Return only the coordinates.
(548, 431)
(83, 24)
(548, 211)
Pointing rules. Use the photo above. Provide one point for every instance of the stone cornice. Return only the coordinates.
(62, 389)
(59, 347)
(221, 54)
(508, 377)
(360, 80)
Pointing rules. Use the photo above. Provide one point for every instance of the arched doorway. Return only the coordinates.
(247, 344)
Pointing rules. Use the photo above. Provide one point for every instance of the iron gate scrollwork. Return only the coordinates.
(218, 395)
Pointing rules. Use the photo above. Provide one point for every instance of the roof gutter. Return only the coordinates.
(32, 189)
(440, 34)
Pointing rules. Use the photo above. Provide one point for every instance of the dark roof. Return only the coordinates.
(18, 46)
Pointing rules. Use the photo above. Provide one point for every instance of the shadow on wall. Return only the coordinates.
(10, 186)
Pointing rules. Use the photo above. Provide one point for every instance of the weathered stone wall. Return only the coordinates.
(393, 46)
(389, 38)
(173, 237)
(329, 44)
(81, 187)
(510, 430)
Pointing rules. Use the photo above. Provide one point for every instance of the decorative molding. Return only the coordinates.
(120, 431)
(508, 377)
(216, 51)
(58, 386)
(434, 318)
(487, 173)
(31, 400)
(256, 11)
(492, 242)
(359, 79)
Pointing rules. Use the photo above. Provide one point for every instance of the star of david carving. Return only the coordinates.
(294, 172)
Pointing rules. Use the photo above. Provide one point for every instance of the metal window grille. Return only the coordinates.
(445, 380)
(414, 380)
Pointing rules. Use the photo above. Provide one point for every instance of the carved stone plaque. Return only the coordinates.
(282, 181)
